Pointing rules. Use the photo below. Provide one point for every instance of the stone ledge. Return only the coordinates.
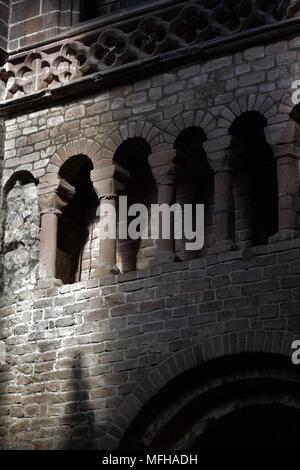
(199, 264)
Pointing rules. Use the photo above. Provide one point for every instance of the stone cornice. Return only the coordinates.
(124, 50)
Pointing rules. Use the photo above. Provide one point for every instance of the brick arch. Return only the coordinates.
(286, 104)
(250, 341)
(83, 146)
(219, 138)
(265, 105)
(128, 130)
(202, 119)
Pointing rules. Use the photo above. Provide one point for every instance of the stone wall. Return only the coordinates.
(159, 108)
(33, 21)
(21, 237)
(77, 355)
(83, 359)
(4, 16)
(210, 96)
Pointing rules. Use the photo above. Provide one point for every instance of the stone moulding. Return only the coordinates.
(172, 32)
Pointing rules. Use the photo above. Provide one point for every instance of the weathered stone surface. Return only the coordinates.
(78, 355)
(21, 238)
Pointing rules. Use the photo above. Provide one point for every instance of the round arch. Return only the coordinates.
(87, 147)
(250, 341)
(219, 139)
(130, 130)
(201, 119)
(192, 404)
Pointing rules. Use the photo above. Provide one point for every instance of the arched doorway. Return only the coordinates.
(247, 401)
(260, 427)
(255, 181)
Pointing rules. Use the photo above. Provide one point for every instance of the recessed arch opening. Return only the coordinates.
(76, 225)
(206, 401)
(132, 155)
(194, 181)
(255, 181)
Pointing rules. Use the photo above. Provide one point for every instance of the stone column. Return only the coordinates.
(48, 244)
(108, 246)
(224, 216)
(287, 157)
(163, 171)
(52, 203)
(108, 181)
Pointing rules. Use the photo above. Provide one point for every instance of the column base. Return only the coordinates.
(222, 246)
(104, 270)
(284, 234)
(48, 283)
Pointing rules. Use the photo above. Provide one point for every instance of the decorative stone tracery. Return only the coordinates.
(179, 27)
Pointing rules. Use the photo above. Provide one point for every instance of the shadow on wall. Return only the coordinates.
(79, 420)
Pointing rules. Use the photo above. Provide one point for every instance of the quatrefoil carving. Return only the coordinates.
(111, 49)
(151, 36)
(180, 26)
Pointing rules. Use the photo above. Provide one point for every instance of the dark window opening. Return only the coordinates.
(95, 8)
(194, 177)
(255, 180)
(261, 427)
(74, 225)
(132, 155)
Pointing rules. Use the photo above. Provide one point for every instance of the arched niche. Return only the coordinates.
(76, 237)
(194, 180)
(132, 155)
(210, 399)
(255, 180)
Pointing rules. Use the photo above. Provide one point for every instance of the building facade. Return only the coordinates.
(140, 343)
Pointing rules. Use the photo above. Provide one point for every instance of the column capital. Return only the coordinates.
(221, 161)
(109, 180)
(162, 157)
(286, 150)
(56, 200)
(164, 175)
(163, 166)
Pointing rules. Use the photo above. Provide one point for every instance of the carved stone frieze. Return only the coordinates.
(169, 29)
